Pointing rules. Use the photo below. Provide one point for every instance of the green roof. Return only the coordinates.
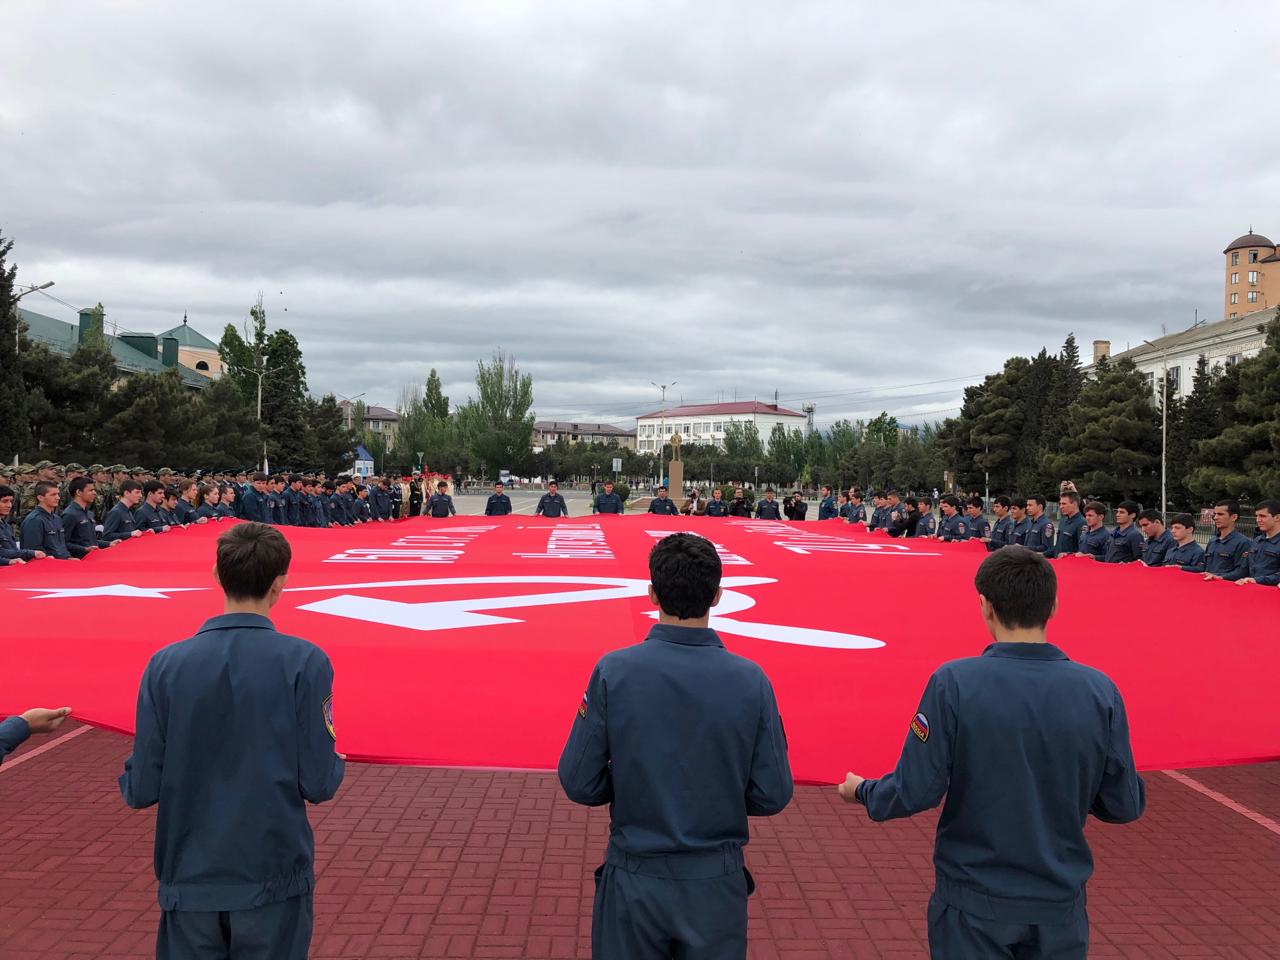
(65, 337)
(189, 337)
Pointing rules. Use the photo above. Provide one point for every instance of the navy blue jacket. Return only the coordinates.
(1155, 548)
(1226, 557)
(1039, 535)
(206, 512)
(119, 524)
(767, 509)
(927, 525)
(717, 508)
(253, 505)
(80, 530)
(184, 512)
(9, 545)
(498, 505)
(879, 518)
(1001, 533)
(234, 733)
(1069, 531)
(827, 509)
(632, 746)
(1095, 542)
(664, 506)
(954, 527)
(1126, 545)
(1264, 560)
(148, 517)
(608, 503)
(14, 732)
(854, 512)
(440, 505)
(551, 505)
(1024, 744)
(979, 528)
(42, 530)
(1189, 557)
(226, 510)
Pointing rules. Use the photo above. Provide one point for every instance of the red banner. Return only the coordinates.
(468, 642)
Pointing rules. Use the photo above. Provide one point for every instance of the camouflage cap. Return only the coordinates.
(75, 468)
(117, 468)
(7, 471)
(96, 468)
(164, 472)
(26, 468)
(44, 465)
(136, 470)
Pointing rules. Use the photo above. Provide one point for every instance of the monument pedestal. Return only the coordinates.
(675, 480)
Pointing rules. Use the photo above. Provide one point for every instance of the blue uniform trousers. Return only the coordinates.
(276, 931)
(955, 933)
(643, 912)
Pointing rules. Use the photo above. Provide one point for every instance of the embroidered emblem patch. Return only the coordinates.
(582, 707)
(920, 727)
(327, 709)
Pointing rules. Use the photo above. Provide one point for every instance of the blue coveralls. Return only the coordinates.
(717, 508)
(148, 517)
(767, 509)
(185, 512)
(979, 528)
(1226, 557)
(80, 530)
(253, 505)
(551, 505)
(1095, 542)
(664, 506)
(206, 512)
(42, 530)
(608, 503)
(1264, 560)
(1001, 533)
(927, 525)
(827, 508)
(1069, 531)
(855, 513)
(119, 524)
(226, 511)
(954, 527)
(1155, 548)
(1126, 545)
(1025, 744)
(684, 741)
(9, 545)
(1039, 535)
(234, 737)
(1189, 556)
(440, 505)
(498, 505)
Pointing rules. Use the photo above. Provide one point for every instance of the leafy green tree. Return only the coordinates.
(882, 430)
(1032, 443)
(228, 437)
(497, 423)
(331, 443)
(742, 442)
(15, 432)
(1111, 446)
(909, 465)
(67, 397)
(150, 419)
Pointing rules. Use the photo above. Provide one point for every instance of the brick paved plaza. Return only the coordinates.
(453, 863)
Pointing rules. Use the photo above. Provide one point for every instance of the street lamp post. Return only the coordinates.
(16, 325)
(662, 424)
(1164, 425)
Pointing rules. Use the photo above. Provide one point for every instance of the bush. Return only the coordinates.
(727, 489)
(622, 490)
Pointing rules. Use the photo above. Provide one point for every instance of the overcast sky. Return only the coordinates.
(835, 201)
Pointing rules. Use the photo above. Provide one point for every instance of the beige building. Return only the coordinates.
(547, 432)
(378, 420)
(1251, 275)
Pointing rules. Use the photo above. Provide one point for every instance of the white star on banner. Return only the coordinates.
(110, 590)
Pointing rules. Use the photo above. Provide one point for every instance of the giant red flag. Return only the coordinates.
(468, 641)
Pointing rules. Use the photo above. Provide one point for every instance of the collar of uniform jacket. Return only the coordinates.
(1025, 651)
(237, 621)
(689, 636)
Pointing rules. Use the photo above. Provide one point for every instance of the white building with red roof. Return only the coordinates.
(706, 422)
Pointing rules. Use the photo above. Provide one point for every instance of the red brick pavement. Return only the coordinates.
(452, 863)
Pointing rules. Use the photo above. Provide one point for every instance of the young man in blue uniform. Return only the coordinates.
(684, 741)
(926, 522)
(1126, 541)
(607, 501)
(234, 737)
(768, 508)
(253, 499)
(1227, 556)
(1070, 524)
(10, 553)
(441, 504)
(1024, 744)
(1039, 534)
(976, 519)
(954, 526)
(120, 524)
(147, 516)
(551, 504)
(498, 504)
(1095, 537)
(716, 506)
(855, 511)
(1184, 552)
(77, 519)
(15, 730)
(42, 527)
(663, 505)
(827, 508)
(1021, 524)
(1156, 539)
(1002, 529)
(1264, 552)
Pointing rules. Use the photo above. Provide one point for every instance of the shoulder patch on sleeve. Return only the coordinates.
(327, 709)
(920, 727)
(582, 707)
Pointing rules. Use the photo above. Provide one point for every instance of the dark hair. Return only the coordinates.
(6, 491)
(1271, 506)
(1036, 498)
(257, 477)
(1002, 501)
(976, 502)
(498, 483)
(250, 557)
(1070, 495)
(1019, 502)
(1184, 519)
(552, 483)
(893, 493)
(924, 503)
(826, 487)
(78, 484)
(1096, 506)
(330, 486)
(442, 483)
(608, 483)
(295, 477)
(1232, 506)
(1132, 507)
(951, 500)
(1020, 585)
(1151, 516)
(209, 488)
(151, 486)
(171, 493)
(185, 485)
(911, 502)
(685, 571)
(44, 486)
(661, 487)
(129, 486)
(768, 490)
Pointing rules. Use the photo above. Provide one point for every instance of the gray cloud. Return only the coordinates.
(824, 199)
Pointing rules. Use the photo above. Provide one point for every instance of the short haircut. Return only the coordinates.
(1151, 516)
(442, 485)
(295, 477)
(1271, 506)
(250, 557)
(913, 501)
(608, 483)
(78, 484)
(662, 488)
(1071, 496)
(950, 500)
(1132, 507)
(826, 487)
(6, 491)
(171, 493)
(553, 484)
(1183, 519)
(768, 490)
(185, 485)
(1233, 508)
(892, 493)
(924, 502)
(1037, 498)
(1003, 501)
(1096, 506)
(1019, 502)
(685, 571)
(129, 486)
(1020, 585)
(259, 477)
(976, 502)
(44, 486)
(151, 486)
(496, 484)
